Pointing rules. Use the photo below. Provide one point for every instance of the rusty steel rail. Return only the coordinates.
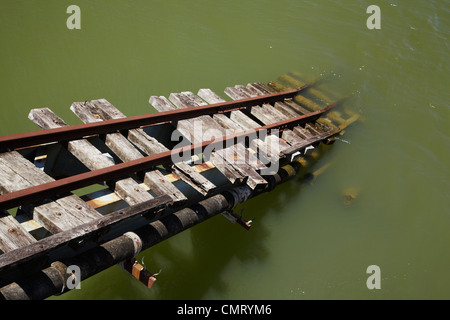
(23, 140)
(50, 189)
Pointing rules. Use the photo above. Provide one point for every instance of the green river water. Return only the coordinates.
(305, 242)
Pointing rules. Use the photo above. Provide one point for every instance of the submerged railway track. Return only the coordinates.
(153, 187)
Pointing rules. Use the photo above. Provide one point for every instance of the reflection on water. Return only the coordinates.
(306, 243)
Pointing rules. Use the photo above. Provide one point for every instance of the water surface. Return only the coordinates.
(305, 243)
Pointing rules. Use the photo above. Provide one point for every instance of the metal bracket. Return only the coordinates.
(234, 217)
(139, 271)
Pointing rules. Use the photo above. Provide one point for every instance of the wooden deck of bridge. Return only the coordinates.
(184, 182)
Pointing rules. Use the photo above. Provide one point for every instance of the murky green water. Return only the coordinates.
(305, 243)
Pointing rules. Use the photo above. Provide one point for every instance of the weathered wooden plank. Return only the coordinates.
(121, 146)
(65, 213)
(54, 217)
(265, 113)
(24, 168)
(230, 156)
(110, 111)
(90, 156)
(303, 133)
(131, 191)
(45, 118)
(240, 92)
(234, 176)
(210, 96)
(194, 179)
(198, 129)
(286, 112)
(304, 101)
(269, 115)
(87, 112)
(244, 156)
(283, 107)
(291, 137)
(260, 87)
(151, 146)
(160, 185)
(189, 100)
(209, 129)
(146, 143)
(161, 103)
(276, 144)
(12, 234)
(9, 180)
(239, 119)
(243, 120)
(253, 179)
(149, 208)
(128, 189)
